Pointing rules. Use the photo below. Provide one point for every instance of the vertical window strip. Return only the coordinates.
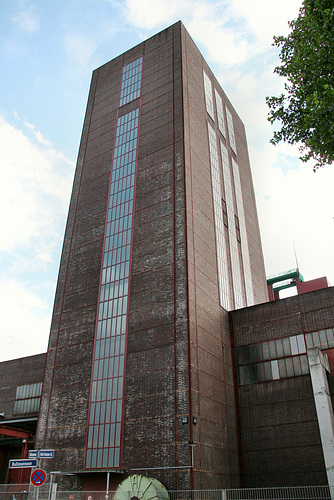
(208, 95)
(219, 224)
(131, 81)
(273, 370)
(243, 235)
(106, 401)
(234, 250)
(230, 128)
(220, 114)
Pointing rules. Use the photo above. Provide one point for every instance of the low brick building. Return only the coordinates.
(278, 422)
(20, 394)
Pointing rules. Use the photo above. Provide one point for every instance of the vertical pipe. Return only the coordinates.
(107, 490)
(318, 366)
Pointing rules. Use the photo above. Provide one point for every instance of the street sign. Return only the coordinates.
(25, 463)
(38, 477)
(42, 453)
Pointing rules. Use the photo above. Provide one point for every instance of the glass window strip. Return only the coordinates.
(243, 235)
(108, 369)
(230, 128)
(220, 114)
(131, 83)
(29, 405)
(28, 391)
(208, 95)
(223, 285)
(283, 351)
(234, 248)
(273, 370)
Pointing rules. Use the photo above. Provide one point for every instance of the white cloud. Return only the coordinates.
(225, 44)
(147, 14)
(33, 194)
(80, 48)
(294, 203)
(231, 30)
(37, 134)
(24, 323)
(296, 210)
(26, 19)
(265, 18)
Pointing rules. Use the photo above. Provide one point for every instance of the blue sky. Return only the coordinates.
(48, 50)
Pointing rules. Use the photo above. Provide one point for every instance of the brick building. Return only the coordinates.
(162, 240)
(160, 277)
(279, 428)
(20, 390)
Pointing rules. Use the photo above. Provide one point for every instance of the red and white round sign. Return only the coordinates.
(38, 477)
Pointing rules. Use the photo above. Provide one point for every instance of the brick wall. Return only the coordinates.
(278, 423)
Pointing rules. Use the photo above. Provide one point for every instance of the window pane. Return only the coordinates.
(267, 371)
(316, 340)
(279, 348)
(304, 365)
(323, 339)
(99, 458)
(250, 374)
(274, 369)
(282, 368)
(294, 345)
(258, 349)
(88, 458)
(265, 350)
(241, 375)
(260, 372)
(330, 337)
(301, 344)
(309, 340)
(289, 367)
(296, 365)
(286, 347)
(272, 349)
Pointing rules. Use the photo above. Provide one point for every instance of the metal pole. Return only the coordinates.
(107, 492)
(37, 462)
(323, 404)
(50, 486)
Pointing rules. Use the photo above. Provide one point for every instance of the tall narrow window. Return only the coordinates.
(223, 281)
(104, 430)
(208, 95)
(230, 128)
(220, 114)
(243, 235)
(232, 231)
(131, 81)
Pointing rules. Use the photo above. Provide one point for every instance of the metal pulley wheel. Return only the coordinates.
(138, 487)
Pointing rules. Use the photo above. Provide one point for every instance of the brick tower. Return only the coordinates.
(162, 241)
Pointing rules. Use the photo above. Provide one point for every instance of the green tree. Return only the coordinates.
(305, 111)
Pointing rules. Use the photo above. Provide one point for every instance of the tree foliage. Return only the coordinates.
(305, 110)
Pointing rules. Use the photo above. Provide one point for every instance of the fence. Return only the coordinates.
(28, 492)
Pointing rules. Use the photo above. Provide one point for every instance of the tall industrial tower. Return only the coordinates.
(162, 241)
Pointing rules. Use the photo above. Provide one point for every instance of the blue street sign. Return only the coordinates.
(13, 464)
(42, 453)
